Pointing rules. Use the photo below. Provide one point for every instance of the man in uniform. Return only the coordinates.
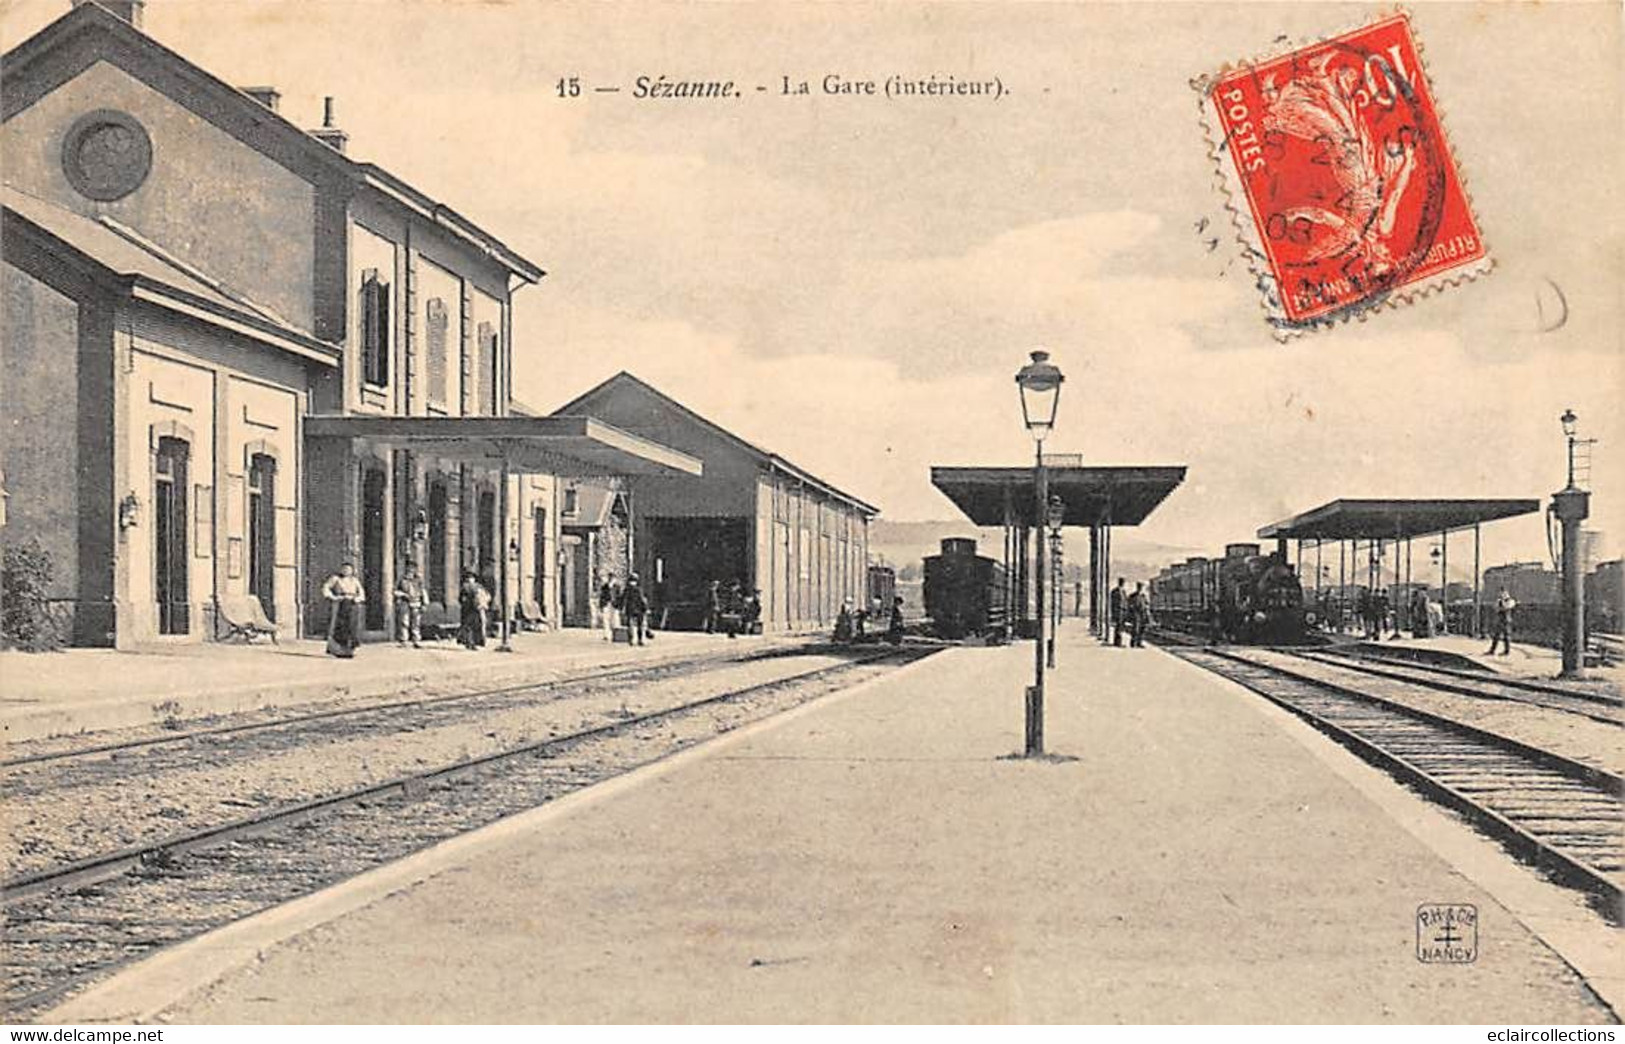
(1139, 610)
(1502, 635)
(1118, 606)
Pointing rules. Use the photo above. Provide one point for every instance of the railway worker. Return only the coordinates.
(345, 596)
(1421, 616)
(1118, 610)
(410, 598)
(844, 622)
(753, 611)
(471, 611)
(634, 609)
(1139, 611)
(713, 606)
(1502, 635)
(608, 595)
(894, 626)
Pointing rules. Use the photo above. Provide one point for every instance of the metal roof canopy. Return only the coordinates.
(1117, 496)
(576, 447)
(1392, 519)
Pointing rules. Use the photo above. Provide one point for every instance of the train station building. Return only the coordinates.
(235, 357)
(753, 518)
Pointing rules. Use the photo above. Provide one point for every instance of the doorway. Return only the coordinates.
(374, 495)
(262, 532)
(576, 578)
(170, 576)
(538, 523)
(486, 539)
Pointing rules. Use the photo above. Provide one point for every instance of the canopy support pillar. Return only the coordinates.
(503, 584)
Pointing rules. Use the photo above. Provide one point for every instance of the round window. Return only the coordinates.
(106, 154)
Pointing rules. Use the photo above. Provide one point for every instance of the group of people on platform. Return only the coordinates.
(852, 624)
(346, 596)
(1131, 610)
(624, 605)
(731, 610)
(1426, 617)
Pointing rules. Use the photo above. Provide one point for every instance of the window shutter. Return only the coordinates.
(487, 369)
(374, 328)
(435, 312)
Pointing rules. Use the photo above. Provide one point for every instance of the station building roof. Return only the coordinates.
(1392, 519)
(89, 33)
(578, 447)
(145, 272)
(1117, 495)
(636, 403)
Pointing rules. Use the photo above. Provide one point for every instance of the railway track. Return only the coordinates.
(1575, 692)
(70, 925)
(1595, 705)
(55, 752)
(1561, 815)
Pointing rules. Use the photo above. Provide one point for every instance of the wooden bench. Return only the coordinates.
(440, 621)
(528, 616)
(242, 616)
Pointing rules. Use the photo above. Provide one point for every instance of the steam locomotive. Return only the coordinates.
(964, 592)
(1245, 597)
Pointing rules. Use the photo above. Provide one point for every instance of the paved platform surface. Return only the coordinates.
(1526, 662)
(878, 857)
(86, 690)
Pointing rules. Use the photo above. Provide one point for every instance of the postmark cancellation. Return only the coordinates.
(1344, 189)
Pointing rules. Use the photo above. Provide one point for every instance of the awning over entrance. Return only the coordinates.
(575, 447)
(1115, 496)
(1392, 519)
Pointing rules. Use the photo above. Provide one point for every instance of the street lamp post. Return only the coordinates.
(1040, 384)
(1571, 505)
(1055, 516)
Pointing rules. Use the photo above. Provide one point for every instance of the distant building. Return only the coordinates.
(754, 517)
(1529, 583)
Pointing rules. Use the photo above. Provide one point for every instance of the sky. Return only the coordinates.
(853, 281)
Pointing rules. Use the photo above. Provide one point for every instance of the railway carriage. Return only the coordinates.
(1245, 597)
(964, 591)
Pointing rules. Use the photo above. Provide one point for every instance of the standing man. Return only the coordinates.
(634, 608)
(1502, 636)
(410, 598)
(713, 606)
(1118, 609)
(1139, 608)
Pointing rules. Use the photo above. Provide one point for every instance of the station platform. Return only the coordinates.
(1525, 662)
(1191, 854)
(88, 690)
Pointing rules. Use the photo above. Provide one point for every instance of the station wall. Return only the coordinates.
(259, 215)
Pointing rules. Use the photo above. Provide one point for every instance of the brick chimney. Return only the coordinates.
(129, 10)
(327, 133)
(266, 96)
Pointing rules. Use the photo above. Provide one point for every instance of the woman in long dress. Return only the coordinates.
(345, 596)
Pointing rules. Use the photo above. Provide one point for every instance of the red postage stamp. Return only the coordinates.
(1344, 188)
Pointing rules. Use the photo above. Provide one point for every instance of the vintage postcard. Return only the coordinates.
(792, 513)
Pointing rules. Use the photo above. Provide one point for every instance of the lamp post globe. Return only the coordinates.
(1040, 383)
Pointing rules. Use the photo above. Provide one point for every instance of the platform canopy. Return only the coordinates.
(1117, 496)
(576, 447)
(1392, 519)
